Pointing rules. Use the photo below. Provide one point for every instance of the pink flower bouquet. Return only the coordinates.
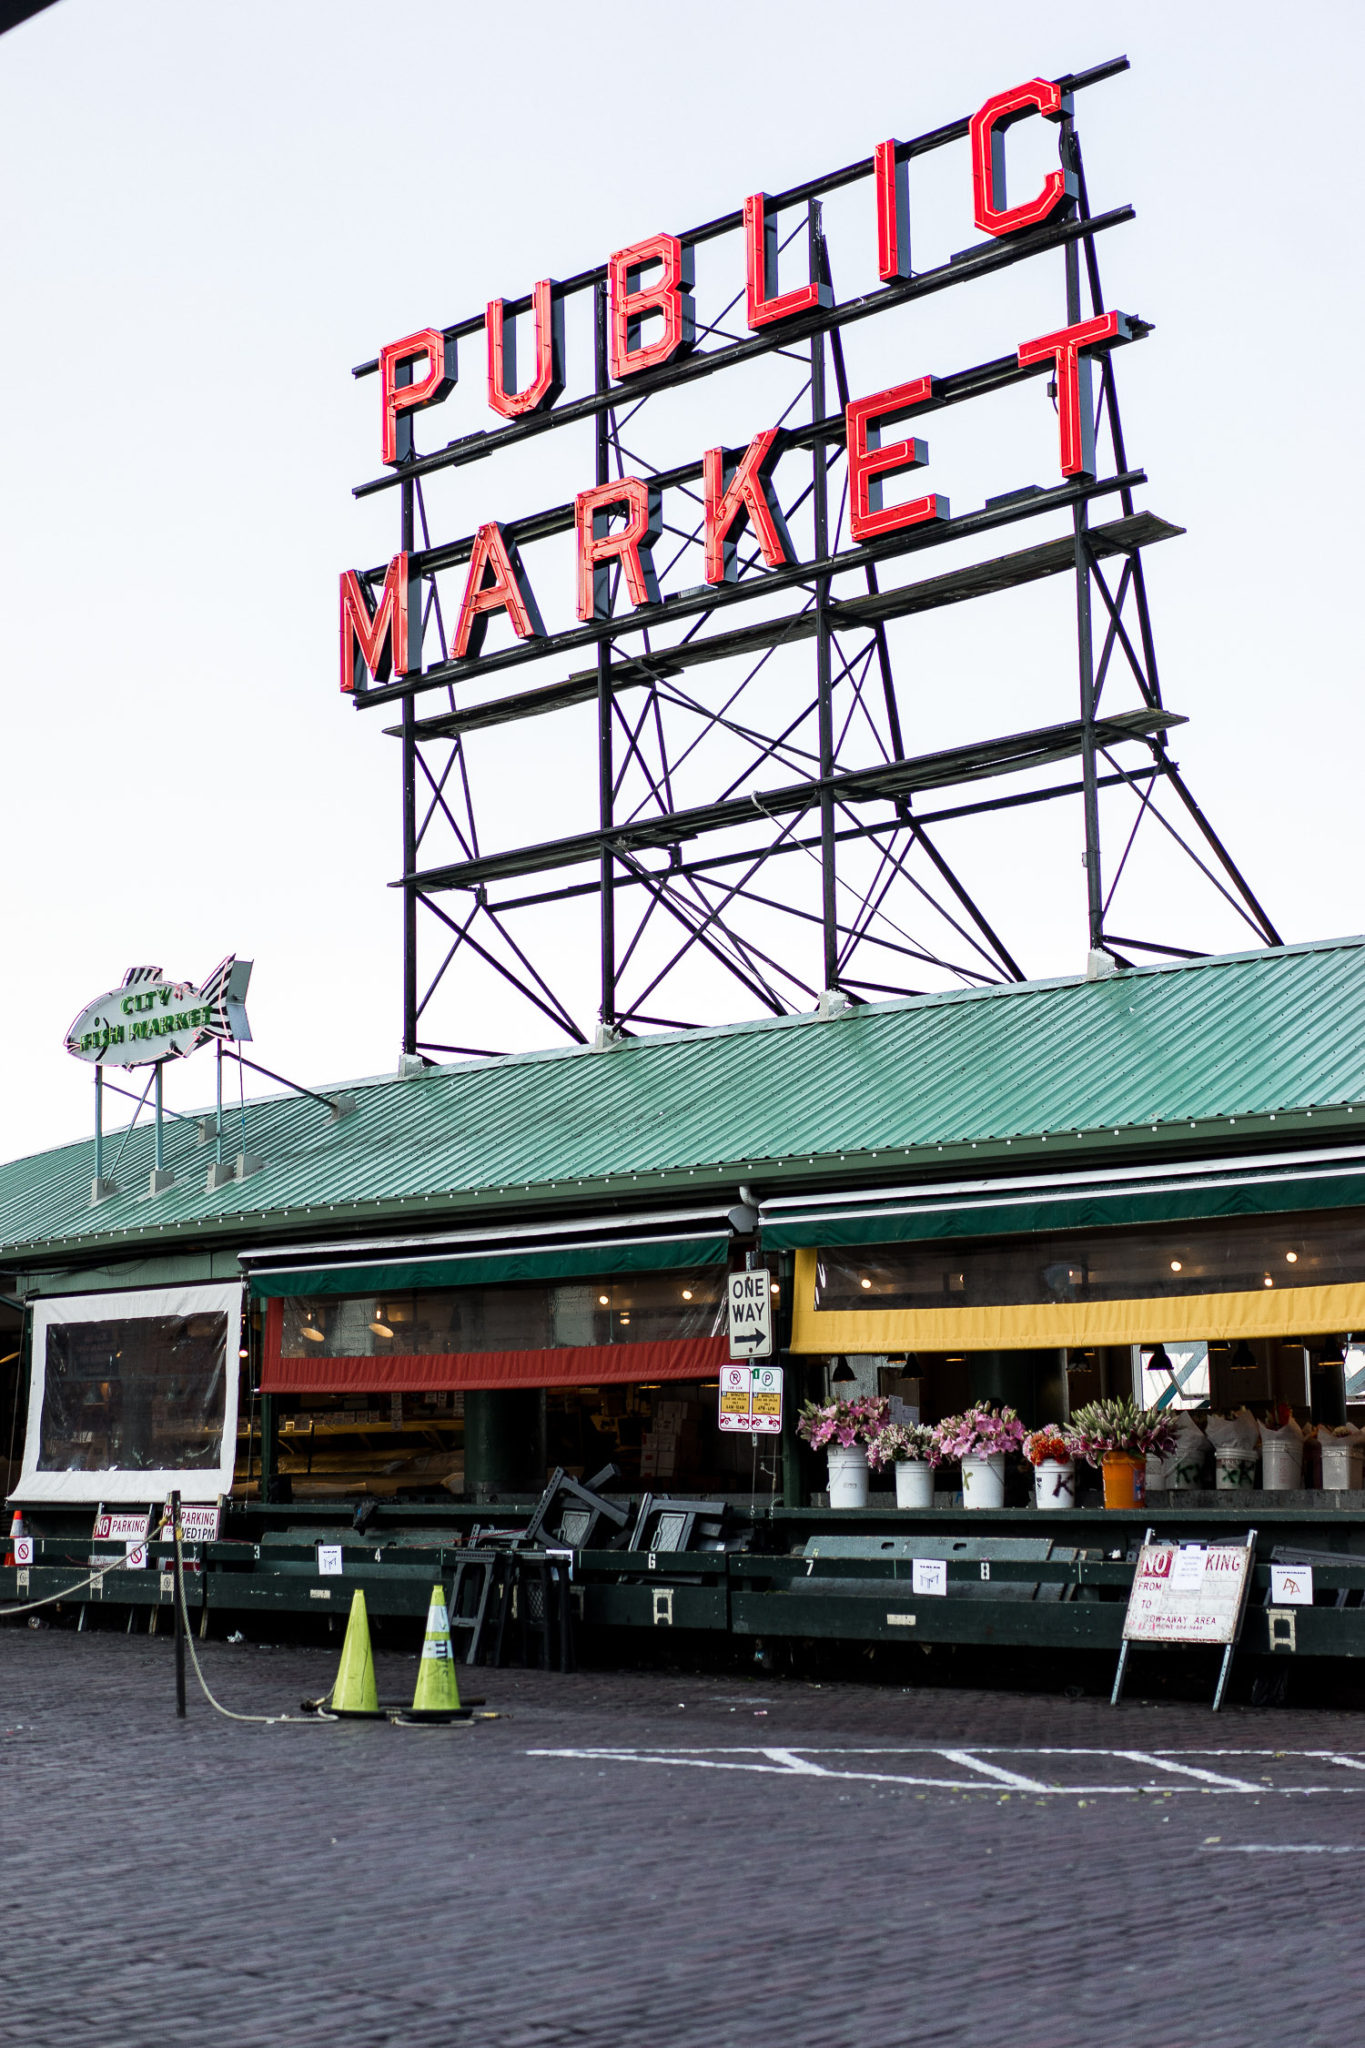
(842, 1424)
(899, 1443)
(980, 1432)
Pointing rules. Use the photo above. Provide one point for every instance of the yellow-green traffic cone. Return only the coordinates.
(354, 1691)
(437, 1691)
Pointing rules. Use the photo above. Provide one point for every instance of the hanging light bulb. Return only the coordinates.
(1243, 1358)
(842, 1374)
(313, 1333)
(380, 1329)
(1157, 1360)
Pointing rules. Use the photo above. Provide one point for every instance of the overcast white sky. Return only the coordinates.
(210, 213)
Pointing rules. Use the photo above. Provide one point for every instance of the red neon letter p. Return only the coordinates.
(404, 393)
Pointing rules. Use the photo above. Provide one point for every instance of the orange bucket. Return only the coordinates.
(1125, 1479)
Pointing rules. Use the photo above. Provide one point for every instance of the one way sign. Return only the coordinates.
(751, 1315)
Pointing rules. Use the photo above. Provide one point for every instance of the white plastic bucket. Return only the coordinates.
(1340, 1464)
(914, 1483)
(1281, 1463)
(847, 1476)
(1158, 1471)
(1183, 1475)
(1054, 1485)
(1234, 1470)
(983, 1481)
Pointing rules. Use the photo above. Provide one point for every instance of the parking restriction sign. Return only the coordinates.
(751, 1399)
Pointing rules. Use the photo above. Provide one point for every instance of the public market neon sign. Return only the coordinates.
(651, 323)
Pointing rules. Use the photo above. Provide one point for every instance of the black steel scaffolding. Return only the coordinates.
(835, 783)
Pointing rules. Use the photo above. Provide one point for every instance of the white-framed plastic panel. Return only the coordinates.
(117, 1483)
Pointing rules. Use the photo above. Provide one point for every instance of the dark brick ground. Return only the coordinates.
(358, 1886)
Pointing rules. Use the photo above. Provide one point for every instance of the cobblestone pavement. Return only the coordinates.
(677, 1862)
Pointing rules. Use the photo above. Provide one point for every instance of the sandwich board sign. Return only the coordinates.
(751, 1399)
(1188, 1593)
(751, 1314)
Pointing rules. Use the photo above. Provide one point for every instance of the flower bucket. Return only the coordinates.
(1340, 1463)
(914, 1483)
(1281, 1463)
(1054, 1485)
(1234, 1470)
(1183, 1475)
(1125, 1479)
(983, 1481)
(1158, 1471)
(847, 1476)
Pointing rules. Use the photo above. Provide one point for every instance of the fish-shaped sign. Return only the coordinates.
(148, 1019)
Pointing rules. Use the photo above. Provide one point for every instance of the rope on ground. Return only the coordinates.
(261, 1720)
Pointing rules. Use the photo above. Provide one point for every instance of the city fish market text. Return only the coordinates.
(148, 1019)
(146, 1027)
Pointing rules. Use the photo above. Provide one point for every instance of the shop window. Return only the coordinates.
(1234, 1255)
(146, 1393)
(443, 1322)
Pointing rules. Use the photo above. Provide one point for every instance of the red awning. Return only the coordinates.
(576, 1365)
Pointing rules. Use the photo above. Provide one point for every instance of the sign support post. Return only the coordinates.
(178, 1600)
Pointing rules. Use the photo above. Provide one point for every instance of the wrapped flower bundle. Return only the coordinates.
(980, 1432)
(842, 1424)
(899, 1442)
(1119, 1425)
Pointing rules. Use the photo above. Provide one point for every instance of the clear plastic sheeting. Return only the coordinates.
(457, 1321)
(1234, 1254)
(133, 1394)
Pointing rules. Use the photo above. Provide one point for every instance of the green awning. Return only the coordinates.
(483, 1267)
(1089, 1208)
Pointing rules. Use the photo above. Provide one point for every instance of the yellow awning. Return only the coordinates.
(1036, 1326)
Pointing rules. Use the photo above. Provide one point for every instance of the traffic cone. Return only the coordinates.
(16, 1528)
(354, 1691)
(437, 1691)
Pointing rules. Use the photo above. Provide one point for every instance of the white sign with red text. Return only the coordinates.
(200, 1524)
(121, 1528)
(1188, 1593)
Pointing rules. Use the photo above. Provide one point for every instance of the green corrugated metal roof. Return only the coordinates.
(1265, 1044)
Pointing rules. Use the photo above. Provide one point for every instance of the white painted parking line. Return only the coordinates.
(1166, 1772)
(1282, 1849)
(1001, 1777)
(1167, 1763)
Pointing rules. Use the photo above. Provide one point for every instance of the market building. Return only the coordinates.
(488, 1306)
(495, 1269)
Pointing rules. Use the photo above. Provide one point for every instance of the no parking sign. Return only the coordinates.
(751, 1399)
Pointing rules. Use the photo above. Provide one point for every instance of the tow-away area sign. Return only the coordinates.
(751, 1315)
(751, 1399)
